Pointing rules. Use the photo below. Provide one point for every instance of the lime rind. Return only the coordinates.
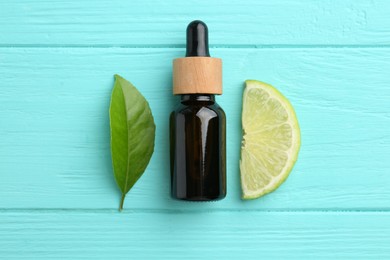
(292, 152)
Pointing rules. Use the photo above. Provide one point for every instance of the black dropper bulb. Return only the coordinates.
(197, 40)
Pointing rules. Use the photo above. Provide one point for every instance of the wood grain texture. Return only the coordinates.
(151, 23)
(195, 235)
(55, 135)
(197, 75)
(58, 198)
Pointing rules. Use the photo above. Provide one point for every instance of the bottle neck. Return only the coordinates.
(197, 97)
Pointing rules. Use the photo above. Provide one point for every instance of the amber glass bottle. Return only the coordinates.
(198, 124)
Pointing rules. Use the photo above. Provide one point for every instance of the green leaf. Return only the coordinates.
(132, 134)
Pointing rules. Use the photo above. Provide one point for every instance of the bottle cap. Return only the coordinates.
(197, 72)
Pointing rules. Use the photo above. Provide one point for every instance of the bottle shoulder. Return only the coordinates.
(199, 109)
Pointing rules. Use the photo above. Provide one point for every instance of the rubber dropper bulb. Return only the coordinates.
(197, 40)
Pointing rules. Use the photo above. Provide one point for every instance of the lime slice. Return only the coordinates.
(271, 139)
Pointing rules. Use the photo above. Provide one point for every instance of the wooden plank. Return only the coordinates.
(250, 23)
(195, 235)
(54, 132)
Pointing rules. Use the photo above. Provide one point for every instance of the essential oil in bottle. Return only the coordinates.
(198, 124)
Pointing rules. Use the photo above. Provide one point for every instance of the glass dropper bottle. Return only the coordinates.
(198, 124)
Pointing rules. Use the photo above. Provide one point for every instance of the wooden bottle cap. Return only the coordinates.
(193, 75)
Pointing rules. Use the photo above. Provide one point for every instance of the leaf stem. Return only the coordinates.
(122, 201)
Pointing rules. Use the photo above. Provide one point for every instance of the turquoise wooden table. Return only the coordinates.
(58, 197)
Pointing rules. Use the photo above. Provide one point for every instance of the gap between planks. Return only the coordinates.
(213, 46)
(194, 211)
